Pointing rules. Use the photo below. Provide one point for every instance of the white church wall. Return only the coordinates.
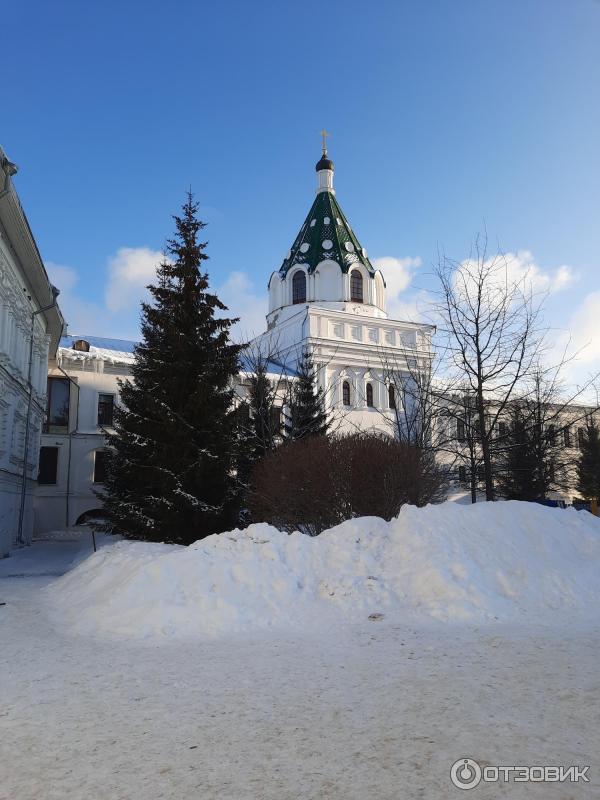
(329, 283)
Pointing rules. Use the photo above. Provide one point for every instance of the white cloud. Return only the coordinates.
(521, 268)
(239, 295)
(129, 272)
(62, 277)
(585, 328)
(398, 274)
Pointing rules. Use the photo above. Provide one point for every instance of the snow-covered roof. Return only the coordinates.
(273, 368)
(113, 351)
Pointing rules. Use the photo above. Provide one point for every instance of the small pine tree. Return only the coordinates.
(265, 427)
(517, 469)
(588, 465)
(171, 465)
(306, 414)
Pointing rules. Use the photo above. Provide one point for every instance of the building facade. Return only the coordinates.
(30, 328)
(82, 395)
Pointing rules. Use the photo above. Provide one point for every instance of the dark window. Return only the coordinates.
(106, 404)
(480, 473)
(370, 395)
(48, 465)
(99, 466)
(567, 436)
(242, 415)
(275, 420)
(392, 397)
(581, 438)
(57, 416)
(551, 433)
(462, 474)
(502, 431)
(460, 430)
(299, 287)
(346, 393)
(356, 286)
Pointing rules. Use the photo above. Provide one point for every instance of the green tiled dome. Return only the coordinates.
(326, 234)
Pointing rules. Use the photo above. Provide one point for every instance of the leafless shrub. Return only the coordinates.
(312, 484)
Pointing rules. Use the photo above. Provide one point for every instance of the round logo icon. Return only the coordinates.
(465, 773)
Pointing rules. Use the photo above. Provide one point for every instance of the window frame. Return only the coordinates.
(369, 397)
(47, 426)
(392, 397)
(102, 479)
(45, 482)
(346, 393)
(299, 297)
(357, 280)
(110, 424)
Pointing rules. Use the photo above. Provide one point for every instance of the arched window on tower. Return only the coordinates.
(370, 395)
(346, 393)
(299, 287)
(356, 286)
(391, 396)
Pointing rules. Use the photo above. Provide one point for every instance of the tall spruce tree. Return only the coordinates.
(172, 456)
(306, 415)
(588, 466)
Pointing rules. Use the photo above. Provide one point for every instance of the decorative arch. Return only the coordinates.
(91, 513)
(379, 290)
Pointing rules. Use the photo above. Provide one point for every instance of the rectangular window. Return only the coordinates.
(99, 466)
(502, 429)
(48, 466)
(275, 420)
(106, 404)
(581, 438)
(567, 436)
(551, 433)
(460, 430)
(462, 474)
(57, 412)
(480, 473)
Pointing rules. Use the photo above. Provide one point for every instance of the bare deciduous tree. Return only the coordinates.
(491, 320)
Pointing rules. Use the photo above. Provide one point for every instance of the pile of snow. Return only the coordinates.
(449, 562)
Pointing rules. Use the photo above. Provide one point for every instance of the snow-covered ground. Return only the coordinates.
(504, 561)
(352, 708)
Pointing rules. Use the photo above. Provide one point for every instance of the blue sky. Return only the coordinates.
(445, 116)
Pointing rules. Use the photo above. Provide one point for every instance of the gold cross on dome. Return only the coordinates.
(324, 134)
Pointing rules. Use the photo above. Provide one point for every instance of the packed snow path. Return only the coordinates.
(378, 711)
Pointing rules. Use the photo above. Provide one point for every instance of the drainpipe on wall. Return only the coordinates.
(67, 503)
(55, 293)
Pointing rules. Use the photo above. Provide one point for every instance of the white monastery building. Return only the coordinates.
(328, 299)
(82, 394)
(30, 328)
